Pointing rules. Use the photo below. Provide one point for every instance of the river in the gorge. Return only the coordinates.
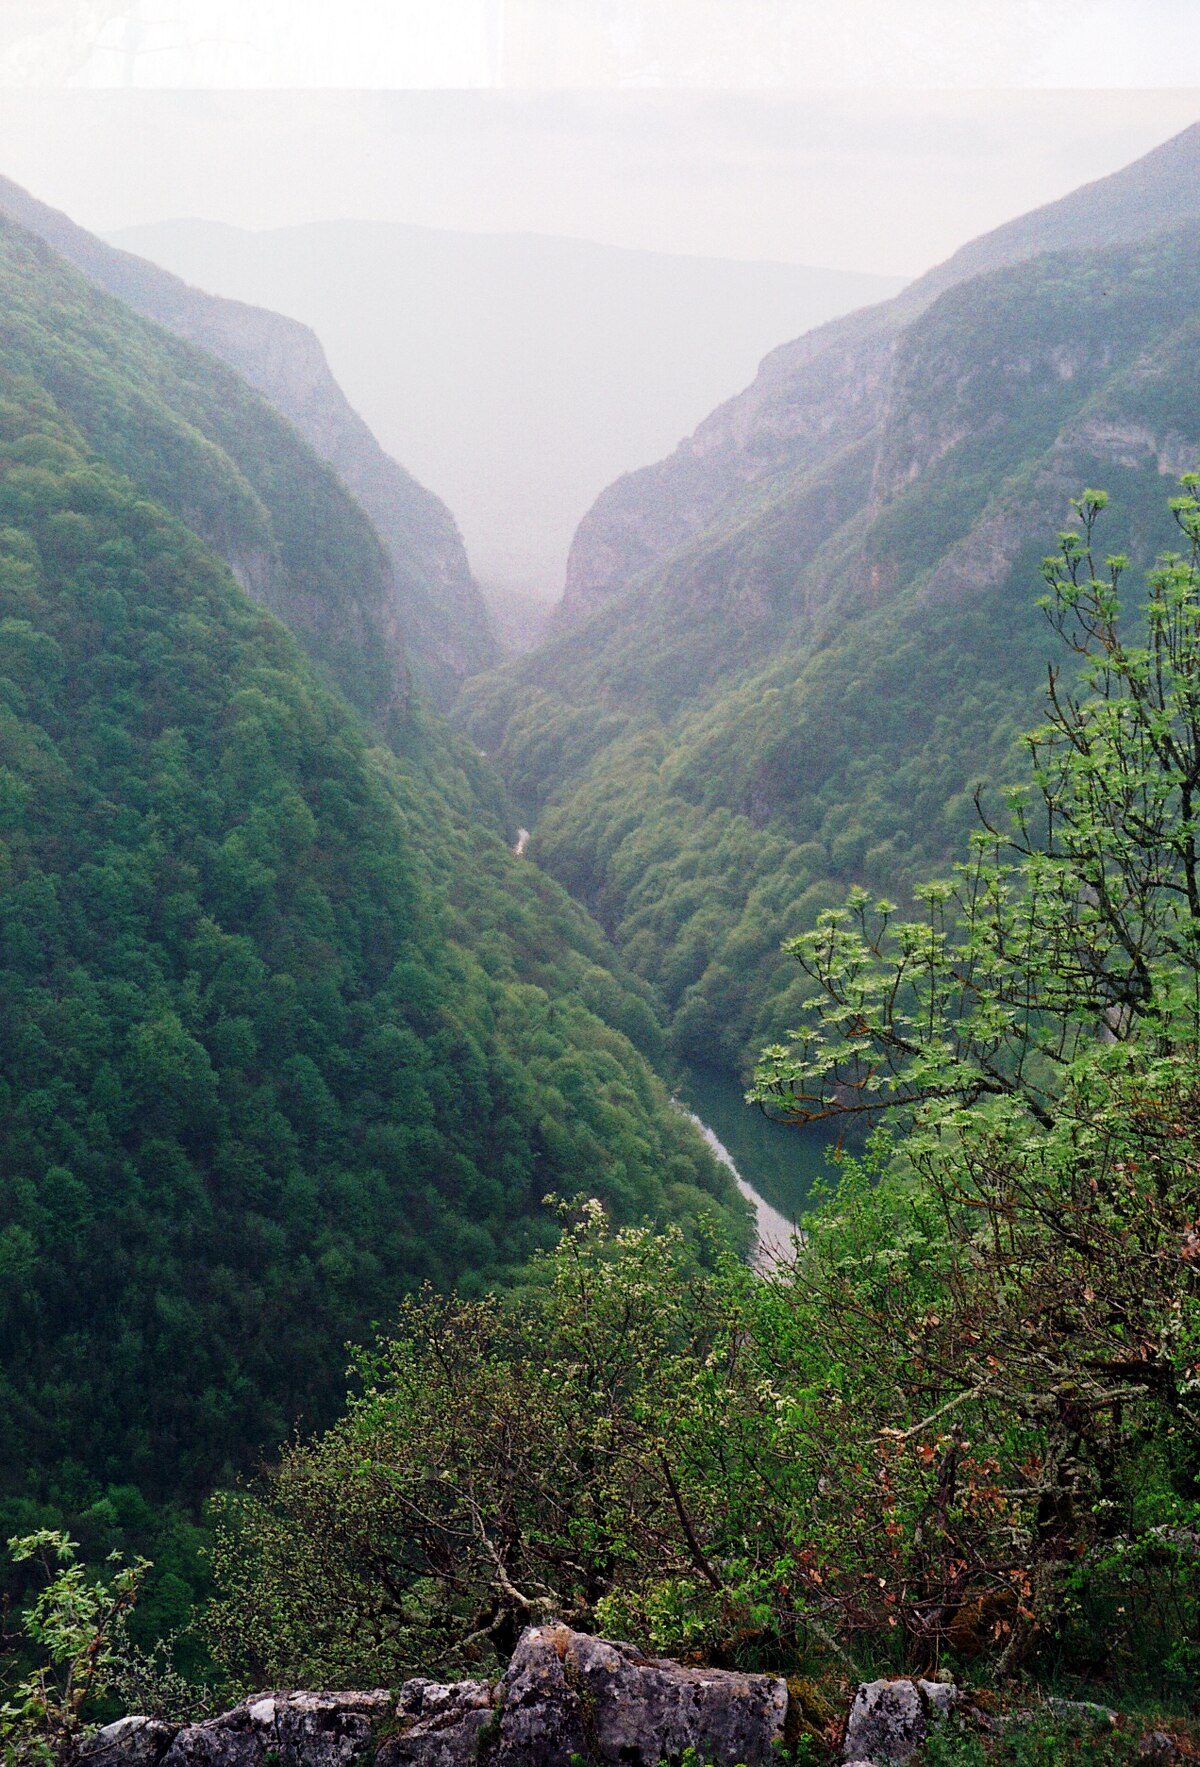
(775, 1166)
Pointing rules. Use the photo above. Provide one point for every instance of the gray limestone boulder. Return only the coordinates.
(130, 1742)
(542, 1720)
(890, 1720)
(294, 1729)
(1158, 1745)
(438, 1724)
(1085, 1710)
(569, 1694)
(328, 1729)
(230, 1740)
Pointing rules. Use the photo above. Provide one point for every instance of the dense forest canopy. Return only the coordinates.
(287, 1030)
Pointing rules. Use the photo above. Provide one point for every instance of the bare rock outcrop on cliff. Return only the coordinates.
(565, 1698)
(833, 387)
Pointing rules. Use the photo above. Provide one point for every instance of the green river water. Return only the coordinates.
(780, 1163)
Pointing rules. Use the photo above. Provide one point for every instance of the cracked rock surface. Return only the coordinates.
(295, 1729)
(564, 1694)
(890, 1720)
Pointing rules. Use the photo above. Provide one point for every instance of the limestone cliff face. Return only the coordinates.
(436, 621)
(810, 401)
(1094, 447)
(837, 385)
(874, 453)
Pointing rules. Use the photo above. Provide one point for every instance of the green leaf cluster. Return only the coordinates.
(76, 1623)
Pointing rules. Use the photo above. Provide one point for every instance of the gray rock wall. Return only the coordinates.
(564, 1695)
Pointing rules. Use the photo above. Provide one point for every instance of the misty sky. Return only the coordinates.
(849, 135)
(599, 43)
(887, 180)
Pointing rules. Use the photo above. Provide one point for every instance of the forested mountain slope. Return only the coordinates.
(817, 400)
(285, 1028)
(432, 598)
(196, 438)
(803, 696)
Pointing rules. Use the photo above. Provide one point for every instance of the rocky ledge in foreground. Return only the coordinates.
(564, 1695)
(565, 1698)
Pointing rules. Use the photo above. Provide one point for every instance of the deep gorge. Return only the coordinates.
(370, 1000)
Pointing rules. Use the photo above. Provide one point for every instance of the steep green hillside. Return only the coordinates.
(285, 1029)
(801, 433)
(804, 695)
(431, 597)
(195, 437)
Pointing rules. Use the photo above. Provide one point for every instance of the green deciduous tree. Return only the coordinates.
(1073, 931)
(1038, 1033)
(75, 1624)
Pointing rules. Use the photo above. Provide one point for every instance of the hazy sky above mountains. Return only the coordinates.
(558, 44)
(889, 180)
(850, 135)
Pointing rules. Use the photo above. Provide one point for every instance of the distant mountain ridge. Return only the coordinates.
(824, 392)
(437, 606)
(514, 372)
